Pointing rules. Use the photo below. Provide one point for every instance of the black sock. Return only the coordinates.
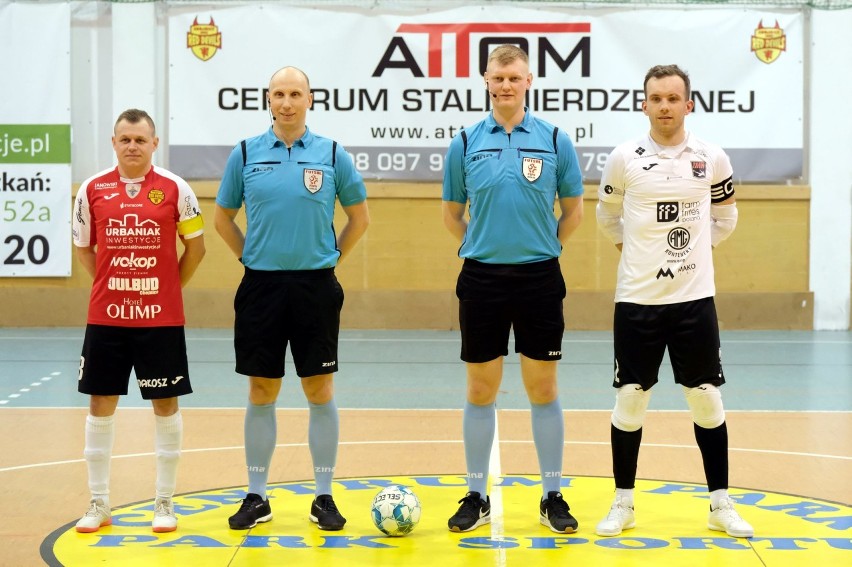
(714, 452)
(625, 455)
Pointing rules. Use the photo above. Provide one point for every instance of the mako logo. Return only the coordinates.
(399, 55)
(667, 273)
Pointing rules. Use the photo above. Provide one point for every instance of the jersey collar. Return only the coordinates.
(525, 124)
(670, 151)
(272, 140)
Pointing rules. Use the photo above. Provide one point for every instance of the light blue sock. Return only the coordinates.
(261, 431)
(323, 435)
(549, 436)
(478, 427)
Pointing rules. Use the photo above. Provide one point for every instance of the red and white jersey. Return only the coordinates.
(134, 224)
(665, 194)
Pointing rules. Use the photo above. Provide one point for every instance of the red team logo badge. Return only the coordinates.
(156, 196)
(699, 169)
(204, 39)
(531, 168)
(768, 43)
(312, 179)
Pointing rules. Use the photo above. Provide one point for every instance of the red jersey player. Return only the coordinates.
(125, 225)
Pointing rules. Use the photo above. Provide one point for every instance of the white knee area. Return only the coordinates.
(705, 402)
(168, 456)
(96, 455)
(631, 401)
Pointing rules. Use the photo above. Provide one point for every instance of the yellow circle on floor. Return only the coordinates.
(671, 529)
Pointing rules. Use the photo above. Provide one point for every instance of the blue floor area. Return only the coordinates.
(766, 370)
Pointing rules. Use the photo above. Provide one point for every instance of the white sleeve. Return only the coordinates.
(81, 220)
(724, 219)
(610, 221)
(611, 198)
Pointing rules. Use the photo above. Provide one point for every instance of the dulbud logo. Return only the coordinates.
(399, 55)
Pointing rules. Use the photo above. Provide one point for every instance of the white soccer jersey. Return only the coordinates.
(665, 195)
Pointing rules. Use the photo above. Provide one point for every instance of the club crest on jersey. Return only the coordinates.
(699, 169)
(132, 189)
(156, 196)
(312, 179)
(531, 168)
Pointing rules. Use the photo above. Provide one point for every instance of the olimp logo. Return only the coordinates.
(672, 528)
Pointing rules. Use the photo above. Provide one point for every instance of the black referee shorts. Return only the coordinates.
(494, 298)
(299, 307)
(690, 330)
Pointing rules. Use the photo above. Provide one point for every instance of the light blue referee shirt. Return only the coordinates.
(289, 197)
(512, 182)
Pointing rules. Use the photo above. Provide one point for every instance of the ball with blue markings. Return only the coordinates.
(396, 510)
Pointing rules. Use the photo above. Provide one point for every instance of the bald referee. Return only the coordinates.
(288, 179)
(665, 200)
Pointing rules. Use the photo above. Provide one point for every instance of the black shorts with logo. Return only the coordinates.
(156, 354)
(494, 298)
(274, 308)
(690, 330)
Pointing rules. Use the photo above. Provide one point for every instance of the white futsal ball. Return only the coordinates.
(396, 510)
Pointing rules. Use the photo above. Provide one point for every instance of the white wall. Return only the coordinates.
(830, 167)
(119, 61)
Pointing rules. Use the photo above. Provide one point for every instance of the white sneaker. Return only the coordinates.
(620, 517)
(725, 519)
(96, 517)
(164, 516)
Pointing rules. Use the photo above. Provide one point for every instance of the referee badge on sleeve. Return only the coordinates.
(531, 168)
(312, 179)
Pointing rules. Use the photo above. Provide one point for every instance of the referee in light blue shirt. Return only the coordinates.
(512, 168)
(289, 179)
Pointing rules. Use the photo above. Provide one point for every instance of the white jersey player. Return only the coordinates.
(665, 200)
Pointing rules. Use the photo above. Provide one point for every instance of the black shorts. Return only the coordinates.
(157, 354)
(494, 298)
(299, 307)
(690, 330)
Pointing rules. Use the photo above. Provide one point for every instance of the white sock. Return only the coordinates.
(100, 435)
(625, 495)
(167, 446)
(717, 496)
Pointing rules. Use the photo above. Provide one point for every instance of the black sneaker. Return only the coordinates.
(253, 510)
(473, 512)
(325, 515)
(555, 514)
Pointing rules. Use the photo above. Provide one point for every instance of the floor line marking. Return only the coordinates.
(495, 472)
(423, 442)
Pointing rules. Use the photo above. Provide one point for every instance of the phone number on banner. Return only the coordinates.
(427, 164)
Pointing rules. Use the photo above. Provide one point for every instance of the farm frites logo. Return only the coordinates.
(204, 39)
(768, 43)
